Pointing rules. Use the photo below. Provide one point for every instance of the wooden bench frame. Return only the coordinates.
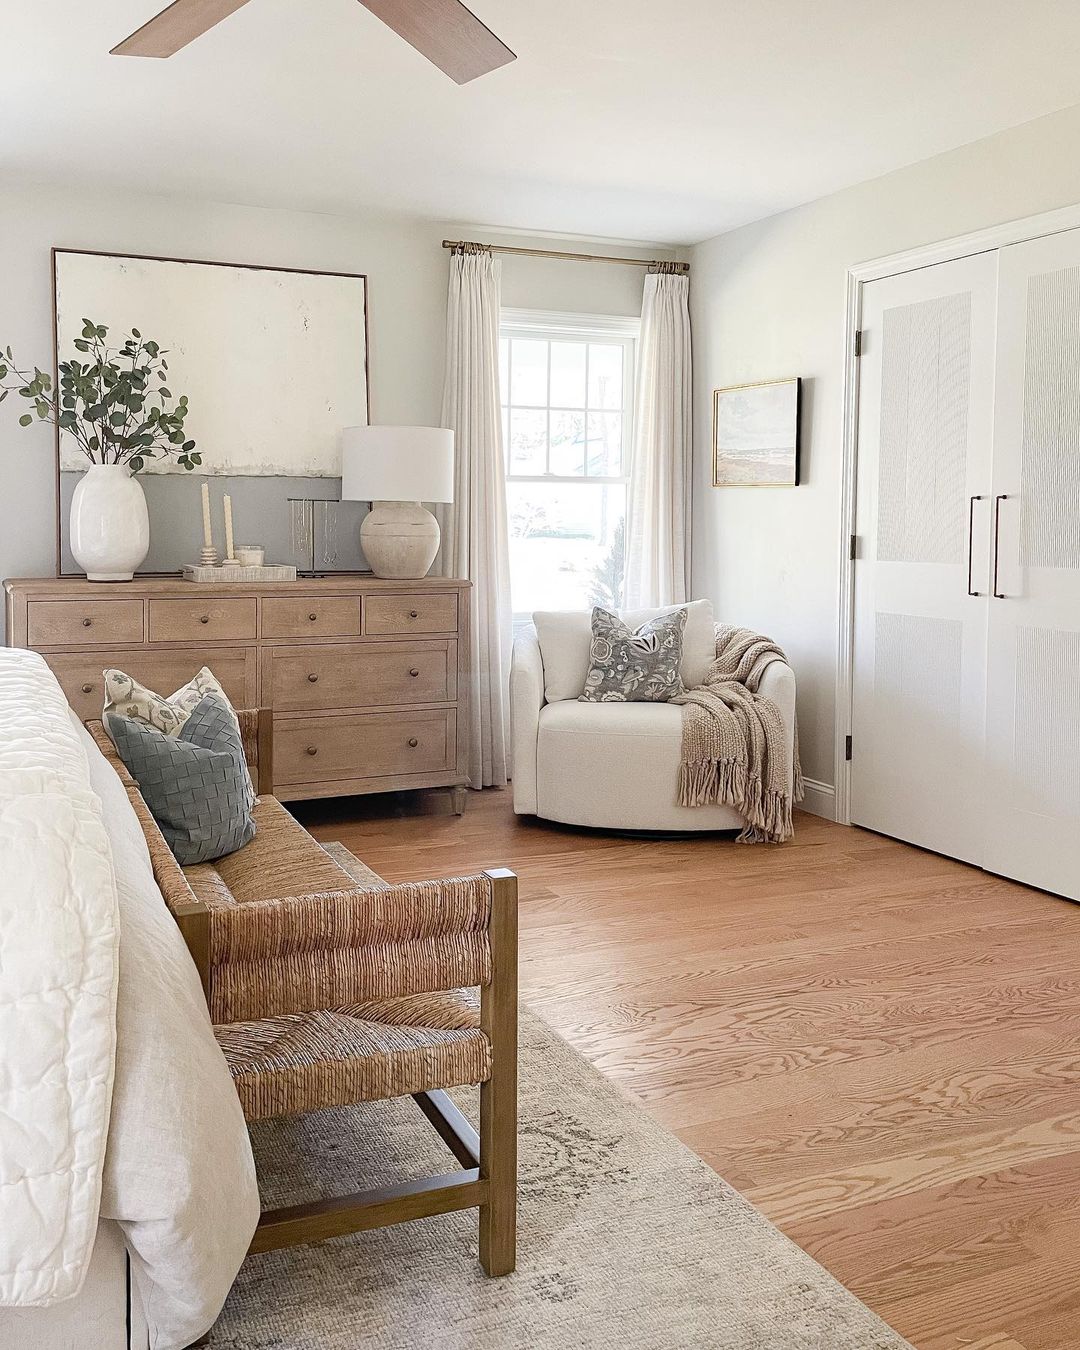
(487, 1176)
(487, 1179)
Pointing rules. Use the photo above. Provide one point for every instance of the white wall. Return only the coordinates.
(403, 258)
(768, 302)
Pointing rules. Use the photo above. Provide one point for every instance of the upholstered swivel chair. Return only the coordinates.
(612, 766)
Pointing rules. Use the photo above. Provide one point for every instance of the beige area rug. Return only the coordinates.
(628, 1241)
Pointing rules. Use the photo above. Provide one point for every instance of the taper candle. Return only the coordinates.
(208, 538)
(228, 529)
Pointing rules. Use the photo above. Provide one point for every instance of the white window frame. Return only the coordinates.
(554, 326)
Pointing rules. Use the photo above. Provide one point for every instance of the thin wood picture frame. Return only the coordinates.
(756, 434)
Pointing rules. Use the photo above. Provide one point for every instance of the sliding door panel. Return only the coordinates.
(1033, 664)
(923, 520)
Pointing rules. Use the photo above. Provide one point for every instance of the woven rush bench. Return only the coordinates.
(328, 986)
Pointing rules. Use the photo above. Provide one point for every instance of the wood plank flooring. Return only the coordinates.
(878, 1046)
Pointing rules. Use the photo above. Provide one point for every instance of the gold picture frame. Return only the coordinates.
(756, 435)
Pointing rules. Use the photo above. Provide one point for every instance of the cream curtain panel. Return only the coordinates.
(658, 509)
(474, 541)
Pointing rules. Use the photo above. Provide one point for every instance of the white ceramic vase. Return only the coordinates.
(110, 527)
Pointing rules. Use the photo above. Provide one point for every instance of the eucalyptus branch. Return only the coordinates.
(116, 413)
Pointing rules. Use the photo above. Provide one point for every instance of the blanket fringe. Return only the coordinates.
(711, 782)
(733, 740)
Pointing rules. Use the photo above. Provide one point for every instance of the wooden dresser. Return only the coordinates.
(366, 678)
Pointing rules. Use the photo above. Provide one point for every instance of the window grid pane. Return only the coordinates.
(569, 380)
(524, 370)
(566, 417)
(547, 419)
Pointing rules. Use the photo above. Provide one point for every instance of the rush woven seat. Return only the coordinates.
(365, 1052)
(328, 986)
(287, 928)
(282, 860)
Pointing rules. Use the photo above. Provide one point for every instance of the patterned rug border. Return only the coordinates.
(628, 1239)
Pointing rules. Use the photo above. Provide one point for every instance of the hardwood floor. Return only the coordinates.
(878, 1046)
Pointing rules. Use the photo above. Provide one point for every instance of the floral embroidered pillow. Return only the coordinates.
(126, 697)
(635, 666)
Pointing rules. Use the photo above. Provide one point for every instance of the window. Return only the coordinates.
(567, 391)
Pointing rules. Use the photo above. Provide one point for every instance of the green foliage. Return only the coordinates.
(116, 404)
(607, 575)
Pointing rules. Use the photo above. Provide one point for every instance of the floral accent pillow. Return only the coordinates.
(628, 666)
(126, 697)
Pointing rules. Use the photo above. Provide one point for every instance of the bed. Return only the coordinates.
(127, 1187)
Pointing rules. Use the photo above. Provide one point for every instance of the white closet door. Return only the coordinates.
(923, 519)
(1033, 665)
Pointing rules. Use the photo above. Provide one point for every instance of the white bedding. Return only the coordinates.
(94, 977)
(59, 941)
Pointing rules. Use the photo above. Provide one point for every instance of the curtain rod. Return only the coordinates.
(569, 257)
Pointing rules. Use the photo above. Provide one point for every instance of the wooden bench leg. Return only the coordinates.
(498, 1215)
(498, 1096)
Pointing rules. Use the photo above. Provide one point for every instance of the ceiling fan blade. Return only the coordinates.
(447, 33)
(175, 27)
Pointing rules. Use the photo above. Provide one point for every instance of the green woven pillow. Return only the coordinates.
(195, 783)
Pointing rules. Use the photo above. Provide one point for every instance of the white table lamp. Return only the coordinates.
(396, 469)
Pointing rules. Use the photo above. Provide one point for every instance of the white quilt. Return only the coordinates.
(179, 1175)
(59, 944)
(114, 1097)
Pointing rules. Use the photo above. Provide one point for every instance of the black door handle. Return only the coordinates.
(1001, 497)
(971, 535)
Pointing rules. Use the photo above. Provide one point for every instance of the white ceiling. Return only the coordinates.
(625, 118)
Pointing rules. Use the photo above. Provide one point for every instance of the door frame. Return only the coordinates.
(988, 240)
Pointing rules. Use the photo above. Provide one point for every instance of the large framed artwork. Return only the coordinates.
(274, 363)
(755, 440)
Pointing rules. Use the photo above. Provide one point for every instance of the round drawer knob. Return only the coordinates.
(204, 618)
(312, 750)
(313, 679)
(414, 613)
(88, 688)
(313, 617)
(414, 672)
(87, 622)
(413, 742)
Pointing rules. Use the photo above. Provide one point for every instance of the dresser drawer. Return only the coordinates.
(56, 623)
(366, 746)
(358, 675)
(80, 673)
(288, 616)
(202, 619)
(389, 614)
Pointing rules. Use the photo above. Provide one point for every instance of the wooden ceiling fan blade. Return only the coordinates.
(447, 33)
(175, 27)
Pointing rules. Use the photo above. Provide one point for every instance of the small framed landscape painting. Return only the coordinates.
(756, 435)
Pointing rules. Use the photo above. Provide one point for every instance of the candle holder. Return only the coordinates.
(208, 557)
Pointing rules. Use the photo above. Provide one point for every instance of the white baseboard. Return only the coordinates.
(820, 799)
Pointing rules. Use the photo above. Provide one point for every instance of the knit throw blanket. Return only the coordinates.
(734, 741)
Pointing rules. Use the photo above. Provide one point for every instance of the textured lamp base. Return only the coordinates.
(400, 540)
